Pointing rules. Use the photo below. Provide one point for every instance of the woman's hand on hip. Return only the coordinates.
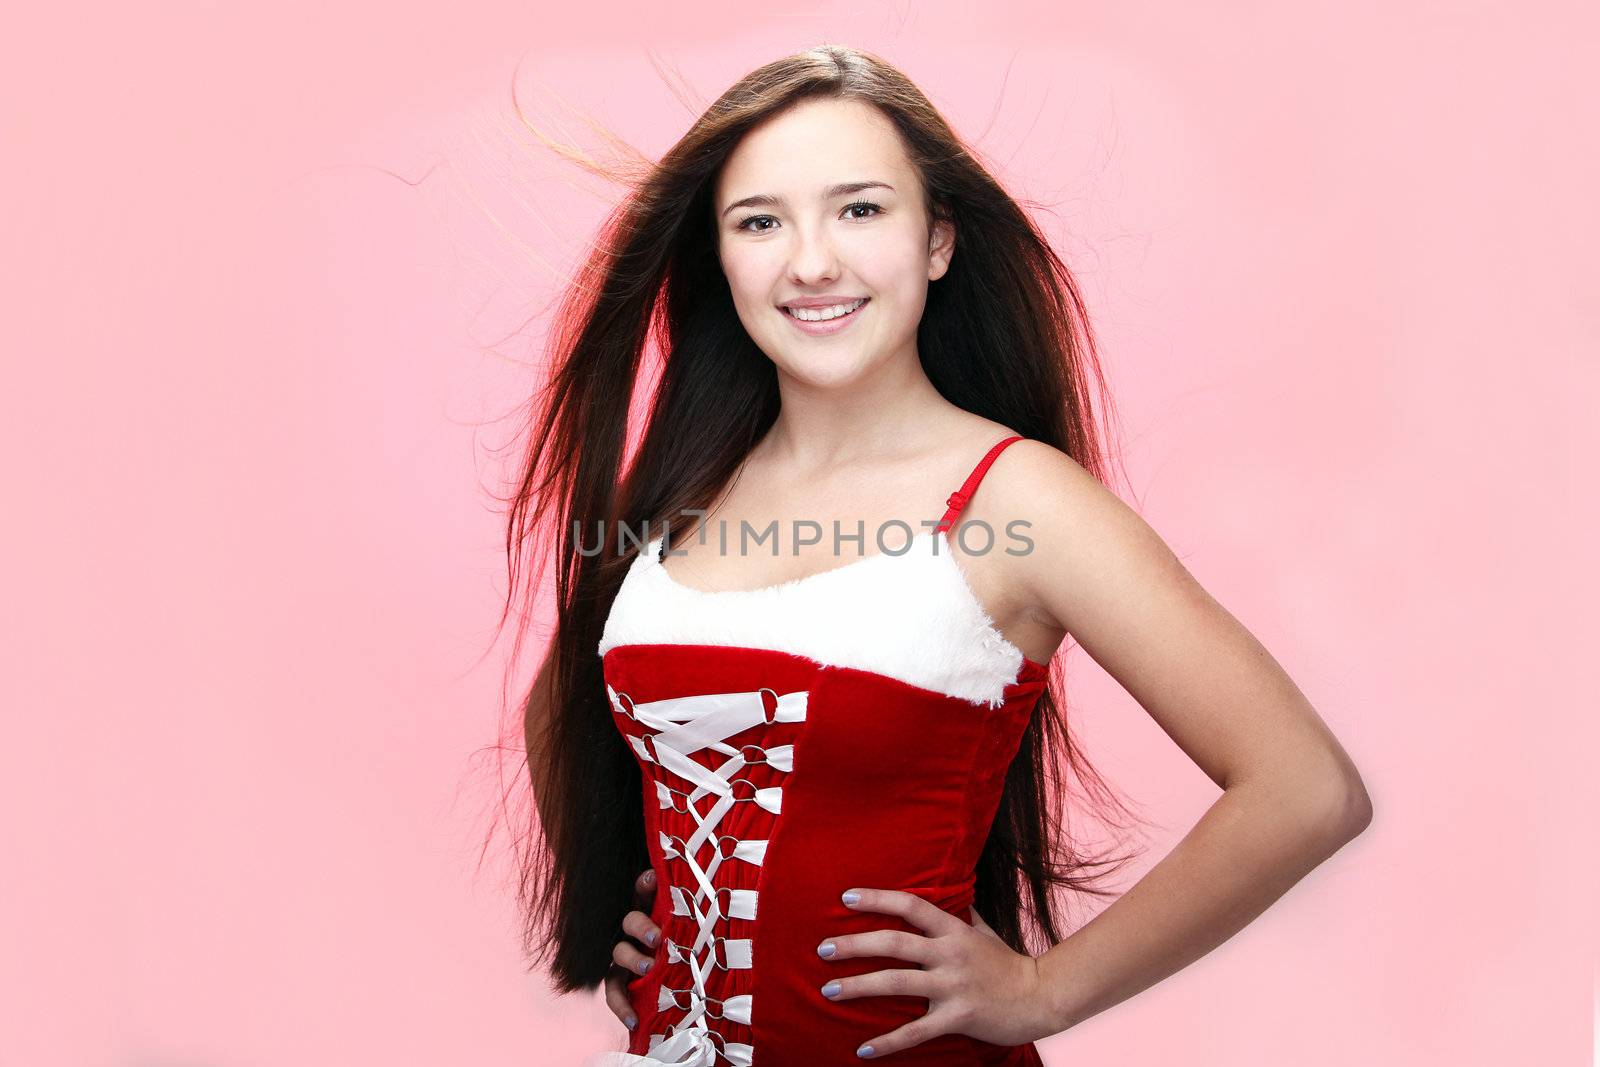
(975, 983)
(628, 962)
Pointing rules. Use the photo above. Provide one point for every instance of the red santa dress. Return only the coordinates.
(850, 728)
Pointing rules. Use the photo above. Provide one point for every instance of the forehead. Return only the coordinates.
(813, 145)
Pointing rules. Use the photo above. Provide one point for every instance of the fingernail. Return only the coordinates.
(825, 949)
(864, 1051)
(644, 966)
(632, 1022)
(652, 937)
(850, 897)
(649, 877)
(831, 989)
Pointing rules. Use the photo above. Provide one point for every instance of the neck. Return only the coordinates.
(889, 408)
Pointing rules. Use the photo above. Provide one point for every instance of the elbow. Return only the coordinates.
(1345, 806)
(1331, 801)
(1352, 811)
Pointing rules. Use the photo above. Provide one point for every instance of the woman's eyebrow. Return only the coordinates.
(842, 189)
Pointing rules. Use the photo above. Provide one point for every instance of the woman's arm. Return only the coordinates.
(1291, 796)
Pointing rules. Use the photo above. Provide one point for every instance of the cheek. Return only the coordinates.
(749, 274)
(894, 267)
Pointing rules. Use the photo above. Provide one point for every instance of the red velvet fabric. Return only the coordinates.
(892, 787)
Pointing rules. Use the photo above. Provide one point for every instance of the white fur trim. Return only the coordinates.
(910, 616)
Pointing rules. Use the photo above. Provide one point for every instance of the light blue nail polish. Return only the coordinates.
(831, 990)
(644, 966)
(851, 897)
(632, 1022)
(825, 950)
(864, 1051)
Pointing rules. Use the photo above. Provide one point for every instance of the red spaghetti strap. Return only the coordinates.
(958, 499)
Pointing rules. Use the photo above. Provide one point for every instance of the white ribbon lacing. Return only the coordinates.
(680, 727)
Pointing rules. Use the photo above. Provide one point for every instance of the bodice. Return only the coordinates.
(849, 729)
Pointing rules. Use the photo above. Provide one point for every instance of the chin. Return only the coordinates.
(821, 374)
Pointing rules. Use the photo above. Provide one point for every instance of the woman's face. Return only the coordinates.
(821, 202)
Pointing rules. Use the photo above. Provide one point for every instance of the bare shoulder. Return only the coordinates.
(1098, 571)
(1043, 486)
(1077, 547)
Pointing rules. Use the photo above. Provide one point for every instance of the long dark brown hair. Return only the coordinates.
(1004, 335)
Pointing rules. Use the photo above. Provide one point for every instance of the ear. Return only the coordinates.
(941, 247)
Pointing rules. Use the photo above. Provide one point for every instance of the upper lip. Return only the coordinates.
(820, 301)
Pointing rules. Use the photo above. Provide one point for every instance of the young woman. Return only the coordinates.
(800, 667)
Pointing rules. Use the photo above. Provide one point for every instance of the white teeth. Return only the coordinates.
(824, 314)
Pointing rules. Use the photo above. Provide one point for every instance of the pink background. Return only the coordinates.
(262, 271)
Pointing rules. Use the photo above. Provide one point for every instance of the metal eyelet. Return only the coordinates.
(712, 961)
(719, 1013)
(673, 804)
(700, 896)
(721, 1042)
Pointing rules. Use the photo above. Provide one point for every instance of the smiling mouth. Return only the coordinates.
(827, 314)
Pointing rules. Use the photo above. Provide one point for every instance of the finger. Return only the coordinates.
(645, 887)
(890, 983)
(625, 955)
(911, 1034)
(929, 917)
(617, 997)
(640, 927)
(977, 920)
(895, 944)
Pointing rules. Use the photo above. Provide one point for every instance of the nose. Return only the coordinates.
(812, 259)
